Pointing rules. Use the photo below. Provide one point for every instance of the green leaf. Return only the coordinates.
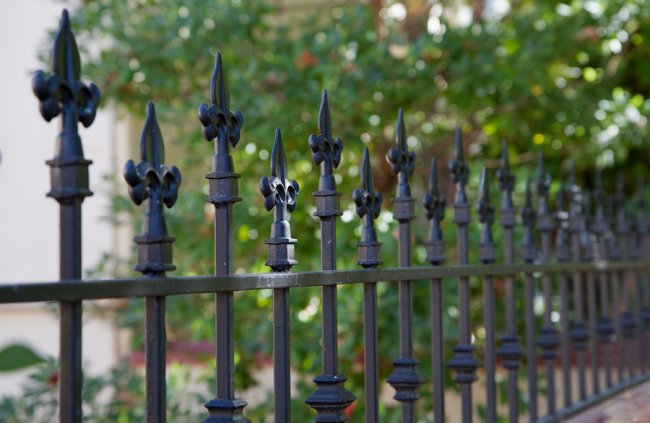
(17, 356)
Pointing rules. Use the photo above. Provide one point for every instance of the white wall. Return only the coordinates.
(29, 220)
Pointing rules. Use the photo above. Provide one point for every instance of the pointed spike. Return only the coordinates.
(459, 145)
(620, 188)
(218, 89)
(366, 172)
(540, 167)
(505, 163)
(324, 121)
(65, 54)
(433, 177)
(529, 194)
(401, 132)
(485, 186)
(572, 172)
(152, 148)
(598, 180)
(278, 162)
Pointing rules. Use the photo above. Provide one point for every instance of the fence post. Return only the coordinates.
(548, 340)
(330, 398)
(588, 246)
(223, 127)
(579, 334)
(604, 326)
(510, 352)
(63, 93)
(368, 206)
(529, 252)
(280, 195)
(485, 211)
(562, 255)
(151, 181)
(435, 205)
(463, 361)
(404, 378)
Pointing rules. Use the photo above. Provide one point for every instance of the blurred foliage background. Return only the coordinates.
(569, 79)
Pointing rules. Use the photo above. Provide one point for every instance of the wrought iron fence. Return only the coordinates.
(608, 331)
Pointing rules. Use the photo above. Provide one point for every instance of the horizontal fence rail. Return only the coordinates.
(594, 260)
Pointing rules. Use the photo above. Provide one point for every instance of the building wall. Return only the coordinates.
(29, 221)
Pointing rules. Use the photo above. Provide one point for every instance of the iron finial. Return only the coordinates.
(368, 206)
(279, 194)
(152, 180)
(528, 219)
(326, 150)
(543, 184)
(459, 170)
(218, 121)
(507, 184)
(63, 90)
(434, 203)
(485, 211)
(401, 159)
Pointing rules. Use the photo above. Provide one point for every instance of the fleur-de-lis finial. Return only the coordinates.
(486, 217)
(280, 196)
(368, 206)
(401, 159)
(506, 177)
(217, 119)
(326, 150)
(434, 203)
(459, 170)
(63, 91)
(528, 219)
(543, 182)
(152, 180)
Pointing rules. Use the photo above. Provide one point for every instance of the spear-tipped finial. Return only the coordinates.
(279, 194)
(459, 170)
(485, 208)
(64, 87)
(218, 121)
(528, 218)
(151, 177)
(151, 180)
(620, 189)
(506, 178)
(435, 204)
(543, 184)
(277, 190)
(368, 206)
(486, 217)
(326, 150)
(401, 159)
(433, 201)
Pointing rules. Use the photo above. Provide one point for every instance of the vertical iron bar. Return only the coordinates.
(330, 399)
(435, 204)
(145, 182)
(62, 93)
(604, 325)
(642, 281)
(223, 126)
(368, 206)
(280, 196)
(562, 255)
(548, 340)
(404, 378)
(510, 352)
(486, 254)
(588, 246)
(463, 361)
(627, 323)
(529, 252)
(579, 334)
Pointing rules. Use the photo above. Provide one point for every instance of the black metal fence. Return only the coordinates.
(604, 314)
